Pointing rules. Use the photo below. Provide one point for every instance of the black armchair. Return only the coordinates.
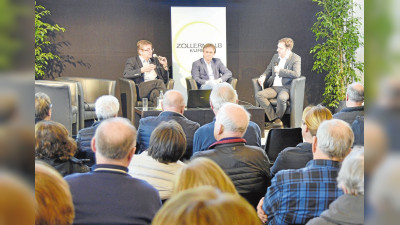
(295, 103)
(279, 139)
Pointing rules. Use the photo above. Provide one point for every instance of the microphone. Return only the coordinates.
(155, 56)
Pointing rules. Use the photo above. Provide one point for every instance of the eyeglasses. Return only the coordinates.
(148, 50)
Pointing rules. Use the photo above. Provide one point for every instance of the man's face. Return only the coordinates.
(146, 51)
(282, 50)
(208, 54)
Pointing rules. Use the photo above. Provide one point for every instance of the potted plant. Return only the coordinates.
(337, 32)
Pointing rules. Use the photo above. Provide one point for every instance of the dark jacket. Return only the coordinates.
(148, 124)
(290, 71)
(349, 114)
(83, 140)
(133, 66)
(247, 166)
(66, 167)
(293, 158)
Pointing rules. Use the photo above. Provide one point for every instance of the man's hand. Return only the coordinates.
(147, 68)
(261, 80)
(163, 61)
(276, 69)
(260, 212)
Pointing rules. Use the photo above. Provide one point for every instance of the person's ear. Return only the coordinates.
(93, 144)
(131, 153)
(314, 144)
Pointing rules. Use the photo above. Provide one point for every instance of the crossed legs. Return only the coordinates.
(281, 94)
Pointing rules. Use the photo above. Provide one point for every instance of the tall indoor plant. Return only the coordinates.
(43, 55)
(337, 32)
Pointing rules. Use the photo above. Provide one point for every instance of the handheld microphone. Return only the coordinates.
(155, 56)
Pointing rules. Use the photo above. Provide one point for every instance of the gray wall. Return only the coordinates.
(101, 34)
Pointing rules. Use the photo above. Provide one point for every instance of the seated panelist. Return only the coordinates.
(209, 71)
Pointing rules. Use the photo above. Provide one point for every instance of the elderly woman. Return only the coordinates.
(55, 147)
(348, 208)
(42, 107)
(297, 157)
(159, 163)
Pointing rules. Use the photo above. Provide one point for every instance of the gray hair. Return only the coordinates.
(171, 100)
(221, 94)
(335, 138)
(355, 92)
(106, 106)
(351, 174)
(42, 105)
(228, 117)
(115, 137)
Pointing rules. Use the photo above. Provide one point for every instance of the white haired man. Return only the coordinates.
(106, 106)
(354, 103)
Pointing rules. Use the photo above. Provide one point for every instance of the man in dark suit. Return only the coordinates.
(173, 106)
(108, 194)
(276, 80)
(149, 73)
(354, 104)
(209, 71)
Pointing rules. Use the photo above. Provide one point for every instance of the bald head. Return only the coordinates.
(173, 101)
(221, 94)
(231, 121)
(115, 138)
(355, 95)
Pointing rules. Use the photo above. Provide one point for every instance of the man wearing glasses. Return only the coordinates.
(149, 73)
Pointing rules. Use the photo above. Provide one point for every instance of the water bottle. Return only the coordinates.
(160, 99)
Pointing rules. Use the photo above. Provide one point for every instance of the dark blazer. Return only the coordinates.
(83, 141)
(133, 66)
(200, 72)
(293, 158)
(349, 114)
(148, 124)
(291, 70)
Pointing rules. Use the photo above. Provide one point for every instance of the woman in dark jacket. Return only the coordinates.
(55, 147)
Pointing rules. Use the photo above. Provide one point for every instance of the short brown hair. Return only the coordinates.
(209, 45)
(42, 105)
(53, 198)
(289, 43)
(142, 43)
(52, 141)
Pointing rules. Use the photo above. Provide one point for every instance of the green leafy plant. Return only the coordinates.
(42, 31)
(337, 32)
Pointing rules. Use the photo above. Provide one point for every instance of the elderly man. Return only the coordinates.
(42, 107)
(173, 106)
(106, 106)
(148, 72)
(208, 70)
(107, 194)
(247, 166)
(276, 80)
(204, 136)
(297, 195)
(354, 103)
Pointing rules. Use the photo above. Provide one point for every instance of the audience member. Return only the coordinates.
(107, 194)
(173, 106)
(358, 129)
(354, 103)
(106, 106)
(53, 198)
(148, 72)
(42, 107)
(348, 208)
(296, 196)
(200, 172)
(55, 147)
(206, 206)
(160, 162)
(247, 166)
(276, 80)
(204, 136)
(297, 157)
(209, 71)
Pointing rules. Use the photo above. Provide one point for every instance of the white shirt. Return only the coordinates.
(210, 70)
(152, 75)
(281, 65)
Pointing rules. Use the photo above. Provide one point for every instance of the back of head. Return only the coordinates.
(53, 199)
(315, 116)
(351, 174)
(221, 94)
(52, 141)
(42, 105)
(167, 142)
(335, 138)
(106, 106)
(114, 138)
(173, 100)
(233, 117)
(206, 206)
(355, 92)
(289, 43)
(202, 171)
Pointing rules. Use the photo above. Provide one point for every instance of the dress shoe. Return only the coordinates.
(277, 124)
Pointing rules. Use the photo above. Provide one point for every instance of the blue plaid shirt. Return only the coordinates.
(296, 196)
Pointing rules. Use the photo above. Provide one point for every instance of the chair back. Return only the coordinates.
(256, 89)
(170, 84)
(279, 139)
(128, 98)
(233, 82)
(191, 84)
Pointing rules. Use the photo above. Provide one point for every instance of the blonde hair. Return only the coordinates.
(53, 198)
(202, 171)
(315, 116)
(142, 43)
(206, 206)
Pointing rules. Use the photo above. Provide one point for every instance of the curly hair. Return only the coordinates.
(52, 141)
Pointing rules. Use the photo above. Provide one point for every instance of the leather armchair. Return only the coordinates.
(296, 100)
(192, 85)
